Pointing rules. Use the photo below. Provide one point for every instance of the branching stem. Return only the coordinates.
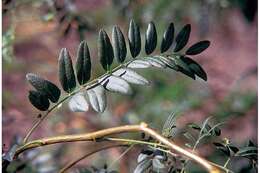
(143, 127)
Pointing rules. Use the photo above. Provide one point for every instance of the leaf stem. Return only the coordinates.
(120, 157)
(227, 162)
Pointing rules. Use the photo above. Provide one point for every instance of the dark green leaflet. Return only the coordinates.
(150, 38)
(119, 45)
(195, 67)
(197, 48)
(83, 63)
(182, 38)
(233, 148)
(44, 86)
(167, 39)
(184, 67)
(39, 100)
(105, 50)
(134, 38)
(66, 72)
(194, 126)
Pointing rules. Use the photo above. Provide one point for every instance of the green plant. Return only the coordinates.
(159, 147)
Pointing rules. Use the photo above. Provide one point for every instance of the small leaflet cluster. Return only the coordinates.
(120, 78)
(224, 146)
(153, 159)
(231, 151)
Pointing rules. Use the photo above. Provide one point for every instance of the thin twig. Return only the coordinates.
(71, 164)
(121, 155)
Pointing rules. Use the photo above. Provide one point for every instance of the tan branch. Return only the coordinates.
(117, 130)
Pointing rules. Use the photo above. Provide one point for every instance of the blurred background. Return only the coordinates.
(34, 31)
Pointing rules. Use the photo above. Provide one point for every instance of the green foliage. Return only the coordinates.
(229, 150)
(205, 130)
(195, 134)
(118, 79)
